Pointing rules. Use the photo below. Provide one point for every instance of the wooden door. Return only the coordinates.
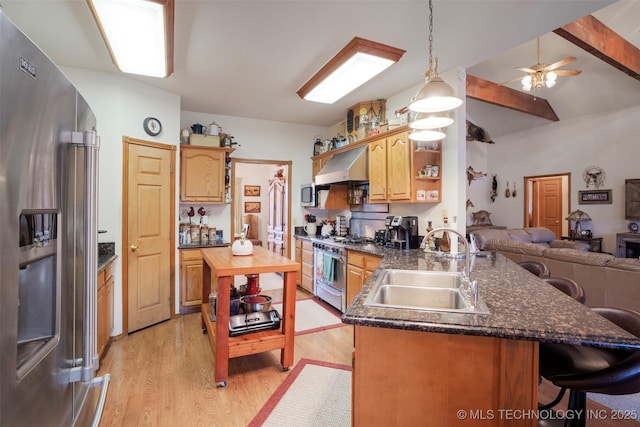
(548, 204)
(378, 170)
(149, 210)
(399, 167)
(276, 225)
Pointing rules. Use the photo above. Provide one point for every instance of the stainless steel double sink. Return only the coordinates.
(423, 290)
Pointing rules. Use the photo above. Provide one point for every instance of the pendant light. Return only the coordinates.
(435, 96)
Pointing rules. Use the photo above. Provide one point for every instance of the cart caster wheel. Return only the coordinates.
(285, 369)
(222, 384)
(204, 331)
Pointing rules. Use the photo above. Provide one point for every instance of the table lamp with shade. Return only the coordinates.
(578, 216)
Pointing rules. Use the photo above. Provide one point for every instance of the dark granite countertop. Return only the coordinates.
(104, 260)
(522, 306)
(106, 254)
(208, 245)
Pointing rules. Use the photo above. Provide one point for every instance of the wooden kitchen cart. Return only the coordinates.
(219, 266)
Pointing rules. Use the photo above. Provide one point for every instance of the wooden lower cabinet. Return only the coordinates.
(106, 282)
(410, 378)
(304, 255)
(360, 266)
(190, 280)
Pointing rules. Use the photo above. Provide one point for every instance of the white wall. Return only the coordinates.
(608, 141)
(121, 105)
(266, 140)
(454, 156)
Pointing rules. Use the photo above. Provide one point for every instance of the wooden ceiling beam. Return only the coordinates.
(502, 96)
(601, 41)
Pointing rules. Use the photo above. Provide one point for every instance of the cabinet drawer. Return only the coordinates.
(307, 256)
(190, 254)
(307, 282)
(108, 271)
(101, 280)
(307, 245)
(355, 258)
(307, 269)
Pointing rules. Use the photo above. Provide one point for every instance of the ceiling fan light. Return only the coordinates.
(434, 97)
(426, 135)
(431, 121)
(550, 79)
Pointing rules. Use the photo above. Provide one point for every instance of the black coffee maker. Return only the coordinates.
(401, 232)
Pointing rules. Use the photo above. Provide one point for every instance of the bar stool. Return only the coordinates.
(539, 269)
(567, 286)
(583, 369)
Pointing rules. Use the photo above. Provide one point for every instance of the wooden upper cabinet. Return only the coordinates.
(202, 174)
(399, 167)
(390, 169)
(378, 170)
(317, 165)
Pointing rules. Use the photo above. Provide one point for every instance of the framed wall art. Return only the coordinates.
(251, 207)
(592, 197)
(252, 190)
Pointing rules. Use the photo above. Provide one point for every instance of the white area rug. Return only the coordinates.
(625, 402)
(314, 394)
(313, 316)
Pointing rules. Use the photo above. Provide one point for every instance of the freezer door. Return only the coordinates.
(47, 286)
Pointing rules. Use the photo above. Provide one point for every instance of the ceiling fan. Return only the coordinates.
(540, 75)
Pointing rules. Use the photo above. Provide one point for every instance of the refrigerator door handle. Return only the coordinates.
(91, 142)
(102, 381)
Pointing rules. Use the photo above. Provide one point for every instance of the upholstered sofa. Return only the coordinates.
(607, 280)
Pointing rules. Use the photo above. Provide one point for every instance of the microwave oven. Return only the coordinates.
(308, 195)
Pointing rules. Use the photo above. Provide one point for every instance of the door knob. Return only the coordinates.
(134, 248)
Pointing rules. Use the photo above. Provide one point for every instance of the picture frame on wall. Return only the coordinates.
(252, 190)
(251, 207)
(592, 197)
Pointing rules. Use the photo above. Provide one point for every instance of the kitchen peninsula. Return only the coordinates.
(219, 267)
(412, 365)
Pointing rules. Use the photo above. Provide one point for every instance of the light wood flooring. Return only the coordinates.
(163, 376)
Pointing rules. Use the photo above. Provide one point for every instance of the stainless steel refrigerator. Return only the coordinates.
(48, 243)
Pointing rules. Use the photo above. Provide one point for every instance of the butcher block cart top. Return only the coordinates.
(219, 267)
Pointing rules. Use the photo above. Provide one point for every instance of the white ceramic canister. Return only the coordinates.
(311, 228)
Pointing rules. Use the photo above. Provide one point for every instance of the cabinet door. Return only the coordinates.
(307, 266)
(102, 318)
(399, 167)
(191, 283)
(202, 175)
(317, 165)
(299, 259)
(378, 171)
(354, 282)
(109, 309)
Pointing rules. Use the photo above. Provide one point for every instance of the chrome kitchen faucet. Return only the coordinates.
(471, 288)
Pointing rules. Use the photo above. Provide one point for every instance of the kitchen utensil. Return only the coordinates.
(198, 128)
(214, 129)
(326, 230)
(242, 246)
(184, 136)
(255, 303)
(311, 228)
(507, 192)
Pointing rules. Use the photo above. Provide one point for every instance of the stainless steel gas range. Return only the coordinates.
(330, 269)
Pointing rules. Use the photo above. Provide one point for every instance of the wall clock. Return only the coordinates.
(152, 126)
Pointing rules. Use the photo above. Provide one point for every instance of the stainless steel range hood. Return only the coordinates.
(349, 165)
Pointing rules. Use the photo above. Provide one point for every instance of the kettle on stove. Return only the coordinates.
(326, 230)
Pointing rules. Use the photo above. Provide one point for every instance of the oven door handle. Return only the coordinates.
(334, 256)
(328, 289)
